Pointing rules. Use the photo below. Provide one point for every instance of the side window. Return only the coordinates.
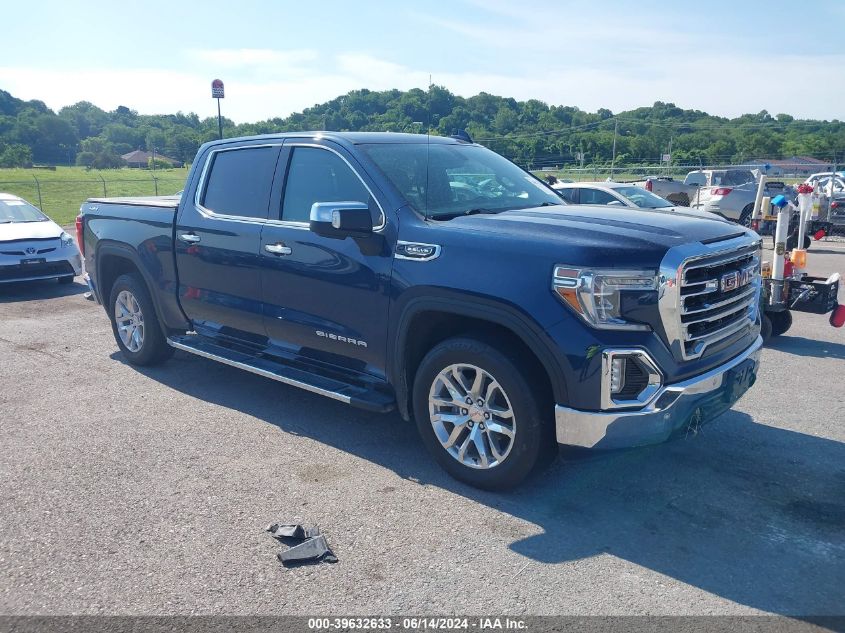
(569, 194)
(594, 196)
(318, 175)
(239, 182)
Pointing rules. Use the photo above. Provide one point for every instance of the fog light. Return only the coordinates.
(617, 375)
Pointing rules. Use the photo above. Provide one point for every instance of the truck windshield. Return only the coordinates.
(19, 211)
(443, 181)
(642, 198)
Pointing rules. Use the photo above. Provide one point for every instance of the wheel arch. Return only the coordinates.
(425, 322)
(114, 259)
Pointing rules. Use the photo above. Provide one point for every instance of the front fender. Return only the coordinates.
(448, 301)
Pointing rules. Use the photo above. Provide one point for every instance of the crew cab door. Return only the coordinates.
(325, 298)
(218, 234)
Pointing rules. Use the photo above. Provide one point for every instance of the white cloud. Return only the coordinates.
(264, 83)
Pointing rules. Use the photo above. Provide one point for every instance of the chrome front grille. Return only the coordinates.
(709, 293)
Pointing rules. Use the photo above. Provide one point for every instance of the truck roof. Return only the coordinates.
(351, 138)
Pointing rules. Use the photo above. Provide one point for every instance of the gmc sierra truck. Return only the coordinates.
(433, 276)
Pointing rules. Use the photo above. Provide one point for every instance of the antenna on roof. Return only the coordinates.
(428, 145)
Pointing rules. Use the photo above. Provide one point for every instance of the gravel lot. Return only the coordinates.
(147, 492)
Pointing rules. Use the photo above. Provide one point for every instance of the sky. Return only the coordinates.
(275, 58)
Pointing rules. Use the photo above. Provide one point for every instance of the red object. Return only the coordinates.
(819, 234)
(79, 230)
(217, 89)
(788, 269)
(837, 317)
(755, 225)
(721, 191)
(805, 188)
(835, 204)
(648, 185)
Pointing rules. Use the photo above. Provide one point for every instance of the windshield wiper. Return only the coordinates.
(473, 211)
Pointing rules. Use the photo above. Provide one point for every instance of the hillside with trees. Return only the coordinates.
(533, 133)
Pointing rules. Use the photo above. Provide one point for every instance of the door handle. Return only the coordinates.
(277, 249)
(189, 238)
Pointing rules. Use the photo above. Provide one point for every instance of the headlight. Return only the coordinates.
(66, 239)
(596, 295)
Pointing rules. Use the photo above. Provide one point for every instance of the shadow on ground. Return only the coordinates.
(38, 290)
(745, 511)
(801, 346)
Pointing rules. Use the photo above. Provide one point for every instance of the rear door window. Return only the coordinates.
(239, 182)
(569, 194)
(596, 196)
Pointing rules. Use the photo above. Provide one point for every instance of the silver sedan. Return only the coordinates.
(32, 246)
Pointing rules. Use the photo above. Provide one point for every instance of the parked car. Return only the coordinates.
(837, 212)
(824, 183)
(678, 193)
(32, 246)
(731, 193)
(619, 194)
(812, 179)
(500, 319)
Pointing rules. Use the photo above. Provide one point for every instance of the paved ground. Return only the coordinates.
(146, 492)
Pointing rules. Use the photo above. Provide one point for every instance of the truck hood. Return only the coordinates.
(29, 231)
(604, 236)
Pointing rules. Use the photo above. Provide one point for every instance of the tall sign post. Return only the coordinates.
(217, 93)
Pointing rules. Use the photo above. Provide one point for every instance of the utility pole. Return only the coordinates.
(613, 159)
(669, 154)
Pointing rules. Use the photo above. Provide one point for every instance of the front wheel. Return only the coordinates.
(135, 324)
(781, 322)
(480, 416)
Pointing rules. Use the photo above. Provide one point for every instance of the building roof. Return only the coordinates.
(140, 156)
(793, 161)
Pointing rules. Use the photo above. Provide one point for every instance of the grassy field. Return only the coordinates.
(65, 189)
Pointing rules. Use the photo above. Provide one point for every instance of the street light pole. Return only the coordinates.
(613, 159)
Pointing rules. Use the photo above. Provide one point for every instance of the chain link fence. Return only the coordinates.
(624, 173)
(60, 198)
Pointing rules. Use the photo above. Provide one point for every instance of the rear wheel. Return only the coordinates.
(745, 216)
(781, 322)
(479, 414)
(135, 324)
(678, 199)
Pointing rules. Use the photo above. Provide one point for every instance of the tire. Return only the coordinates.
(66, 280)
(510, 457)
(130, 297)
(765, 327)
(781, 322)
(792, 242)
(680, 200)
(745, 216)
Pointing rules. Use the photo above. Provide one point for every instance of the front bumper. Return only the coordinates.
(696, 400)
(51, 266)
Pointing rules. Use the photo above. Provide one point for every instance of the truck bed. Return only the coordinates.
(165, 202)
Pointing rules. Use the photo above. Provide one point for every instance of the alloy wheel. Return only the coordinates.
(471, 416)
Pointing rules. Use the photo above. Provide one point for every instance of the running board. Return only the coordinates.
(354, 395)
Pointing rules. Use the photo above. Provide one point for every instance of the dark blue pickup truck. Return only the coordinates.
(432, 275)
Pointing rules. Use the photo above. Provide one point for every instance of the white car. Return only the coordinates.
(622, 194)
(32, 246)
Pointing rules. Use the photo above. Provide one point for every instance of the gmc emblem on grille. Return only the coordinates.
(30, 251)
(736, 279)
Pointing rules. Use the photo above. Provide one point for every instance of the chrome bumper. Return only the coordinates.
(696, 400)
